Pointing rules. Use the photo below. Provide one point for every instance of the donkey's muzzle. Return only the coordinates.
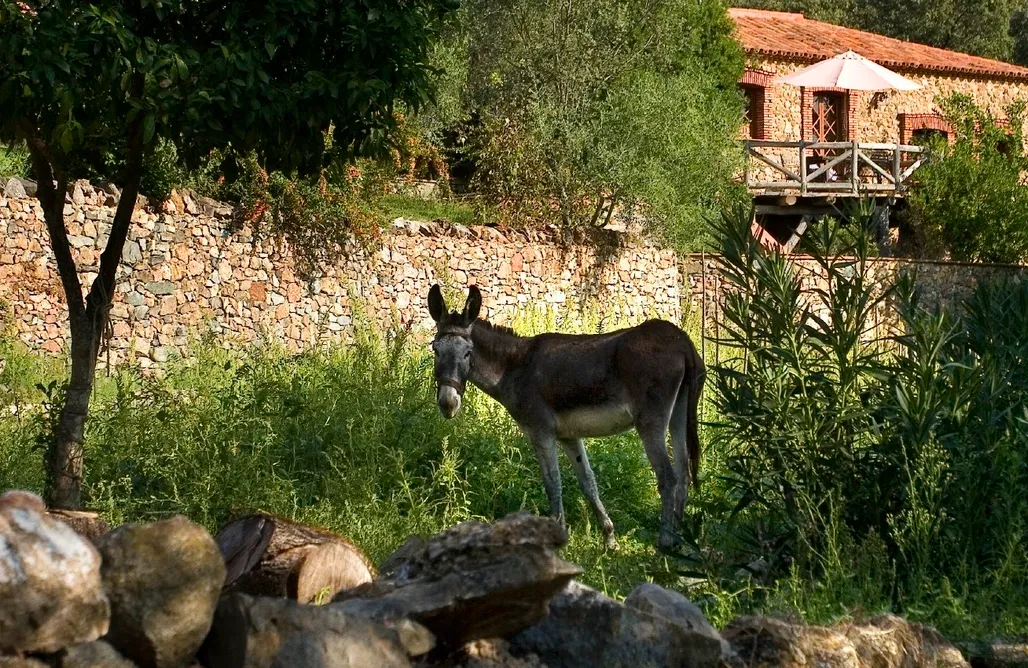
(449, 400)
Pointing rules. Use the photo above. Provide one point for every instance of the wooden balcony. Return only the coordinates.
(829, 169)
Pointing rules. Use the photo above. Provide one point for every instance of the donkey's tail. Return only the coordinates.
(695, 382)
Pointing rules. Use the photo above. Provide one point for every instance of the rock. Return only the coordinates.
(135, 299)
(15, 189)
(997, 653)
(670, 605)
(51, 593)
(251, 632)
(18, 662)
(163, 580)
(131, 253)
(80, 241)
(889, 641)
(475, 580)
(161, 287)
(765, 641)
(97, 654)
(110, 189)
(328, 649)
(586, 628)
(886, 641)
(491, 653)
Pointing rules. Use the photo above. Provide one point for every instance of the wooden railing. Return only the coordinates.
(830, 168)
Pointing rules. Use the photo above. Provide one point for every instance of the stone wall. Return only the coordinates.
(184, 273)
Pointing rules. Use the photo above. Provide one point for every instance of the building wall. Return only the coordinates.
(872, 117)
(875, 117)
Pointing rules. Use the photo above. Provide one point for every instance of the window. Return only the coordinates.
(828, 117)
(753, 111)
(925, 136)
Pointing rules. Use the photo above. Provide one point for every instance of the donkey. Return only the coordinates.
(562, 388)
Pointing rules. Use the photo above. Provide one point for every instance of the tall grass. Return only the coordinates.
(346, 437)
(842, 474)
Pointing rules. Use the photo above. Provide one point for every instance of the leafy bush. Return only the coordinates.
(896, 463)
(970, 201)
(575, 113)
(162, 171)
(14, 161)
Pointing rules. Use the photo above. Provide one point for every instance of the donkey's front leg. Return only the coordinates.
(545, 445)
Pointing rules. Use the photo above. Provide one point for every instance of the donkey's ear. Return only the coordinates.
(473, 305)
(436, 303)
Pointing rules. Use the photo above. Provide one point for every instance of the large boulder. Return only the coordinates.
(886, 641)
(475, 580)
(252, 632)
(163, 580)
(51, 593)
(585, 628)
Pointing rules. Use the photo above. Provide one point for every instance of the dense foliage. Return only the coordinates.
(91, 88)
(573, 112)
(888, 470)
(969, 200)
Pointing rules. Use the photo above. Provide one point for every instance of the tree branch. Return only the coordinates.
(110, 258)
(52, 198)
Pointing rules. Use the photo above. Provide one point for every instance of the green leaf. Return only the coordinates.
(149, 127)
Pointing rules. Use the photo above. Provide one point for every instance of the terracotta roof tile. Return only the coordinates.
(790, 35)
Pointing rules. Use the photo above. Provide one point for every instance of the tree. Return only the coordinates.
(587, 107)
(969, 199)
(82, 81)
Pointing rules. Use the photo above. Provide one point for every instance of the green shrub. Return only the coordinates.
(969, 200)
(873, 473)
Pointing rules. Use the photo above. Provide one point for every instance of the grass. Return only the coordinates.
(407, 206)
(349, 438)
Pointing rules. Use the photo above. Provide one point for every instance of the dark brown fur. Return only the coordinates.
(563, 388)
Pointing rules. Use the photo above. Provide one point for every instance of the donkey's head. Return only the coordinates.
(452, 347)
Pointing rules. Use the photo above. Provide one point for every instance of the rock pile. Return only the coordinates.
(478, 595)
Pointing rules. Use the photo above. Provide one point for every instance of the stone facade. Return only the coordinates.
(183, 273)
(881, 117)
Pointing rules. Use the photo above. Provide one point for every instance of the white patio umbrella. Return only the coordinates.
(849, 71)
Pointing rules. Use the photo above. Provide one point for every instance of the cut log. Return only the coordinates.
(267, 555)
(85, 523)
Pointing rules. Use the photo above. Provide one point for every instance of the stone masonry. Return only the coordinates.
(186, 273)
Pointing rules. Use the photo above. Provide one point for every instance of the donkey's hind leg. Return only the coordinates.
(653, 430)
(574, 448)
(679, 428)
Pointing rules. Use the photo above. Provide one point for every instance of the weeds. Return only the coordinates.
(845, 473)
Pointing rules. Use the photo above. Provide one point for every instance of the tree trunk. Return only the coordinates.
(64, 456)
(87, 317)
(267, 555)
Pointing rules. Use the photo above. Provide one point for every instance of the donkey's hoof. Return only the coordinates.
(610, 543)
(667, 541)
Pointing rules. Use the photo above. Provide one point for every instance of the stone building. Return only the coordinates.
(787, 128)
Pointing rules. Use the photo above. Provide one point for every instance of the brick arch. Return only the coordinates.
(910, 123)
